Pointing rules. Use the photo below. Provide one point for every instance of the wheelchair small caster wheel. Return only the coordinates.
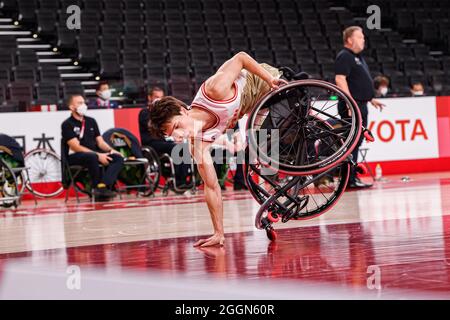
(273, 217)
(271, 234)
(361, 168)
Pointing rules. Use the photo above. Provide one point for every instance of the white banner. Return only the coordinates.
(32, 129)
(406, 129)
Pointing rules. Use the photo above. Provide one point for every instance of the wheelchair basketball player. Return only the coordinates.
(221, 101)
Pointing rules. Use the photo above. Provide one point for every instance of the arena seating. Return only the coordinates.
(177, 44)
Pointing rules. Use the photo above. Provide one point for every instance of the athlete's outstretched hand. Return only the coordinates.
(275, 83)
(215, 239)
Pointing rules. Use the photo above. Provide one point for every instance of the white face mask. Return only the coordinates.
(384, 91)
(418, 93)
(81, 110)
(105, 95)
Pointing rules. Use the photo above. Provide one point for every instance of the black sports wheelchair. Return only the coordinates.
(14, 175)
(141, 171)
(298, 155)
(169, 173)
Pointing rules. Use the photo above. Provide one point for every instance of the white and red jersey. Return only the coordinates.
(223, 110)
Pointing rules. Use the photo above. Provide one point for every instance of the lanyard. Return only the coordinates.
(104, 103)
(83, 124)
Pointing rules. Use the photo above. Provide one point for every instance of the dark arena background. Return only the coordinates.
(386, 234)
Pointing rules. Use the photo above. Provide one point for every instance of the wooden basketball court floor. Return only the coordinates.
(398, 229)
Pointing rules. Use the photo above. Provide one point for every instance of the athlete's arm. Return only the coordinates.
(220, 85)
(213, 194)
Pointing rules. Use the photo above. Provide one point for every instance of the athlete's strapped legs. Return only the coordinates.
(255, 88)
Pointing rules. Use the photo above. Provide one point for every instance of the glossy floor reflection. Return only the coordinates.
(399, 231)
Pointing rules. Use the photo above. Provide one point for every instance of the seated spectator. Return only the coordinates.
(87, 148)
(417, 89)
(161, 146)
(103, 99)
(154, 94)
(381, 84)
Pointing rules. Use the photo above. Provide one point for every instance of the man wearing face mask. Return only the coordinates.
(86, 147)
(354, 78)
(417, 89)
(103, 99)
(381, 84)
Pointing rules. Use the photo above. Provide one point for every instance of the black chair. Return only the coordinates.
(21, 93)
(404, 54)
(219, 57)
(238, 44)
(156, 44)
(259, 43)
(265, 56)
(2, 95)
(87, 50)
(110, 65)
(9, 6)
(413, 68)
(433, 67)
(113, 5)
(133, 5)
(93, 5)
(181, 88)
(200, 58)
(50, 73)
(133, 81)
(72, 88)
(8, 44)
(66, 38)
(24, 74)
(133, 58)
(46, 19)
(156, 75)
(47, 93)
(49, 4)
(279, 43)
(4, 76)
(27, 57)
(27, 9)
(199, 44)
(178, 59)
(218, 44)
(285, 58)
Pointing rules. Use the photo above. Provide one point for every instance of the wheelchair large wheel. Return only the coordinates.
(44, 173)
(306, 197)
(291, 118)
(9, 191)
(153, 171)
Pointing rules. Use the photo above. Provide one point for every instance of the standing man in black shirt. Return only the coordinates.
(353, 77)
(83, 145)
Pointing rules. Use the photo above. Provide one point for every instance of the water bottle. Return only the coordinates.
(378, 172)
(233, 164)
